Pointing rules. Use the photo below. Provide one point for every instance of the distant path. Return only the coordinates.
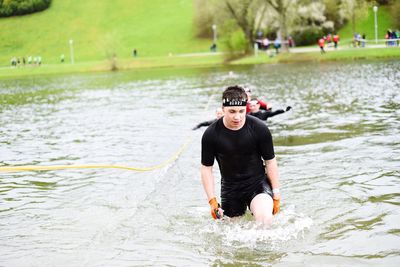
(301, 49)
(331, 48)
(199, 54)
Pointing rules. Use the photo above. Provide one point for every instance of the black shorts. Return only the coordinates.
(235, 198)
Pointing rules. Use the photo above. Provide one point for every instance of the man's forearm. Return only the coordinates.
(207, 180)
(271, 169)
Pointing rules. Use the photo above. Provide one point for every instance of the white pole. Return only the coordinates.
(71, 49)
(214, 28)
(256, 49)
(376, 24)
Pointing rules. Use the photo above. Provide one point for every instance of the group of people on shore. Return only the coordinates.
(328, 40)
(392, 37)
(359, 40)
(264, 43)
(31, 61)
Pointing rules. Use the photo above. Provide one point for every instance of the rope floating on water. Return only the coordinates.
(95, 166)
(103, 166)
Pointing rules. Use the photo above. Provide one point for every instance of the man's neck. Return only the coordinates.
(233, 128)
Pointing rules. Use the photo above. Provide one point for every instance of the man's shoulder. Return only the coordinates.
(214, 126)
(257, 114)
(255, 122)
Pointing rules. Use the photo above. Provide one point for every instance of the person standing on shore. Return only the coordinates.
(321, 43)
(336, 40)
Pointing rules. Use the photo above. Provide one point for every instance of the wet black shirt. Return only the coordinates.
(239, 153)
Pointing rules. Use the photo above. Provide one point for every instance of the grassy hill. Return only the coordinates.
(367, 25)
(101, 28)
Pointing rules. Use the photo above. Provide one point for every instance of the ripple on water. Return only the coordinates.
(338, 152)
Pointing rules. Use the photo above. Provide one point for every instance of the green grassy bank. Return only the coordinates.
(205, 60)
(161, 31)
(366, 25)
(100, 29)
(329, 56)
(119, 64)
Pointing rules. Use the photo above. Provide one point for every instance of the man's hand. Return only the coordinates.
(276, 199)
(215, 209)
(275, 209)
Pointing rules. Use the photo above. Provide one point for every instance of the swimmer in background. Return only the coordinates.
(218, 114)
(255, 111)
(263, 105)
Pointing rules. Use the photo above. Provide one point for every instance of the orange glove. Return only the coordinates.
(275, 209)
(214, 208)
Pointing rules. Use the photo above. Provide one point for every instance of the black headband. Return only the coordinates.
(226, 102)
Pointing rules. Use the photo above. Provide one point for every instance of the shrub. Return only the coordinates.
(307, 36)
(395, 12)
(236, 44)
(10, 8)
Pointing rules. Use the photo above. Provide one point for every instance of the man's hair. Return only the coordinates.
(234, 92)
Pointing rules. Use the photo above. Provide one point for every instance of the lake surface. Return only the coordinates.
(338, 152)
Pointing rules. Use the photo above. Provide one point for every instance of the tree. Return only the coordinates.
(281, 9)
(278, 15)
(242, 12)
(333, 13)
(274, 17)
(395, 11)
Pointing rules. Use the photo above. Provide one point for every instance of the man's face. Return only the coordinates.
(254, 106)
(234, 117)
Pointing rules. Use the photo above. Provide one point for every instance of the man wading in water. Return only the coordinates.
(241, 144)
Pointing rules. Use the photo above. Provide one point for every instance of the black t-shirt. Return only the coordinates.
(239, 153)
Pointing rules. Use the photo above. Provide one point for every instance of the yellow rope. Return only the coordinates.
(95, 166)
(63, 167)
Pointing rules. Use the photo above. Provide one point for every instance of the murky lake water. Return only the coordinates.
(338, 151)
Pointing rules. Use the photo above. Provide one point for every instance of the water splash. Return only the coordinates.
(244, 232)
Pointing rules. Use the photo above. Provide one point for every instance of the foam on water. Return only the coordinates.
(337, 152)
(244, 232)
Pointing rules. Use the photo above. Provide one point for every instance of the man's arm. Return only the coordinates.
(207, 179)
(204, 123)
(271, 169)
(274, 113)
